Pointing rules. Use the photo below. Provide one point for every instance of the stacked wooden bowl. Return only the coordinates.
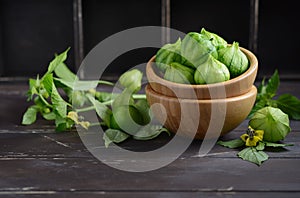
(202, 110)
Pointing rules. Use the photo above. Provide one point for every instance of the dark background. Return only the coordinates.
(32, 31)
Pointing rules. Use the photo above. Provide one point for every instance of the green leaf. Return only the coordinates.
(59, 59)
(252, 155)
(143, 107)
(59, 105)
(114, 135)
(48, 82)
(29, 116)
(49, 116)
(132, 80)
(40, 103)
(272, 144)
(261, 87)
(236, 143)
(63, 72)
(33, 84)
(104, 96)
(63, 124)
(266, 91)
(260, 146)
(258, 105)
(102, 110)
(82, 85)
(290, 105)
(272, 85)
(150, 132)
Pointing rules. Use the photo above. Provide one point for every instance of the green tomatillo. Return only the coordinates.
(216, 40)
(272, 121)
(179, 73)
(196, 48)
(132, 80)
(126, 118)
(211, 71)
(236, 61)
(168, 53)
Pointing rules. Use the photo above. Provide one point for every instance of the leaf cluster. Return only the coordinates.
(267, 96)
(254, 154)
(60, 96)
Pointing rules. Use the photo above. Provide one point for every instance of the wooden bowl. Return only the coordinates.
(233, 87)
(196, 118)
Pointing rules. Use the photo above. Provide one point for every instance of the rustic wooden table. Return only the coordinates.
(37, 162)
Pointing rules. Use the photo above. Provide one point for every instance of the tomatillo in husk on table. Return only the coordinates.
(126, 118)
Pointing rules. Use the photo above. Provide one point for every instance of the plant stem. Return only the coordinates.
(105, 82)
(85, 109)
(45, 101)
(135, 96)
(97, 124)
(139, 96)
(107, 102)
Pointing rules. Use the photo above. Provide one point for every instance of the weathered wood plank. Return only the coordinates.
(126, 194)
(190, 174)
(69, 145)
(41, 146)
(37, 162)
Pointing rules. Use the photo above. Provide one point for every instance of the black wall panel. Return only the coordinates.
(229, 19)
(31, 31)
(102, 19)
(279, 43)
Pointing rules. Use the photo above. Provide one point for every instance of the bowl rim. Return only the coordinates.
(252, 68)
(251, 92)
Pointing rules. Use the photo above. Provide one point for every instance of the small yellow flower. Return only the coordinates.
(252, 136)
(73, 116)
(92, 91)
(84, 124)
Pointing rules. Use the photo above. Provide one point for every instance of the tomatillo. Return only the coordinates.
(126, 118)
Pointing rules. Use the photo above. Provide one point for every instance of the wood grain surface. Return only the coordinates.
(37, 162)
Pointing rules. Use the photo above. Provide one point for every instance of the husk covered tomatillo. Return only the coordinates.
(236, 61)
(167, 54)
(215, 39)
(272, 121)
(211, 71)
(196, 48)
(126, 118)
(179, 73)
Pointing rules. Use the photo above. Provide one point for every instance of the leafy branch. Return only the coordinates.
(267, 94)
(270, 119)
(254, 154)
(60, 96)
